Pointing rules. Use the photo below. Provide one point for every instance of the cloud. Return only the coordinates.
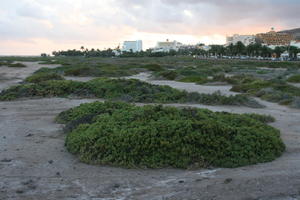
(108, 22)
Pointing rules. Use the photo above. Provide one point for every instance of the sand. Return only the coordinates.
(35, 165)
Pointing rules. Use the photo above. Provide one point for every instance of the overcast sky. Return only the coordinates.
(30, 27)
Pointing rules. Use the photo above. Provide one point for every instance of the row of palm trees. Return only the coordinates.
(238, 49)
(252, 50)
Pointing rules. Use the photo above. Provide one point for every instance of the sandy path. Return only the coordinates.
(35, 165)
(190, 87)
(295, 84)
(78, 78)
(13, 75)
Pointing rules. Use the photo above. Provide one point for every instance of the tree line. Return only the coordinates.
(238, 49)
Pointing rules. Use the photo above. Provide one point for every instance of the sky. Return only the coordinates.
(31, 27)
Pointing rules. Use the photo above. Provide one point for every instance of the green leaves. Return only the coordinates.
(155, 136)
(119, 89)
(43, 76)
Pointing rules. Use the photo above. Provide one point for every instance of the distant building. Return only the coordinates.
(117, 52)
(167, 46)
(245, 39)
(284, 56)
(294, 32)
(134, 46)
(273, 38)
(295, 43)
(205, 47)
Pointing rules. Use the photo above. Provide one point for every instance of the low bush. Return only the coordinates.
(155, 136)
(251, 87)
(294, 79)
(16, 65)
(274, 90)
(261, 118)
(94, 70)
(153, 67)
(121, 89)
(43, 76)
(169, 75)
(10, 64)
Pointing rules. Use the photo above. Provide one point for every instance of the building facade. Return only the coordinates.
(295, 43)
(273, 38)
(245, 39)
(167, 46)
(134, 46)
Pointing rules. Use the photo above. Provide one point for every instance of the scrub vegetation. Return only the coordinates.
(11, 64)
(264, 79)
(119, 89)
(294, 78)
(125, 135)
(274, 90)
(43, 76)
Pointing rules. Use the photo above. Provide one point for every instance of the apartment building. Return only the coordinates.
(134, 46)
(273, 38)
(245, 39)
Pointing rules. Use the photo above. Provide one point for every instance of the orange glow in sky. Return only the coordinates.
(31, 27)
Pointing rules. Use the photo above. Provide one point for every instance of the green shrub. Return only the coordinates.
(251, 87)
(262, 71)
(153, 67)
(94, 70)
(294, 78)
(10, 64)
(155, 136)
(43, 76)
(261, 118)
(169, 75)
(219, 77)
(16, 65)
(121, 89)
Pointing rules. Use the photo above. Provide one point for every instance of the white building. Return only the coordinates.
(117, 52)
(205, 47)
(167, 46)
(285, 55)
(134, 46)
(245, 39)
(295, 43)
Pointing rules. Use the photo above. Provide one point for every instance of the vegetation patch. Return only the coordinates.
(43, 76)
(167, 74)
(125, 135)
(94, 70)
(294, 79)
(121, 89)
(194, 79)
(10, 64)
(274, 90)
(153, 67)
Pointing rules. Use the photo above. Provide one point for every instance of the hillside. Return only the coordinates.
(295, 32)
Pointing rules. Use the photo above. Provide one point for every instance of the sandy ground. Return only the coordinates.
(76, 78)
(190, 87)
(13, 75)
(35, 165)
(295, 84)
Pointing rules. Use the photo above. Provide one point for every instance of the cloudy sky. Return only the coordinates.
(30, 27)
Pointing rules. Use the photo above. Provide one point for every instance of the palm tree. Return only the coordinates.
(240, 48)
